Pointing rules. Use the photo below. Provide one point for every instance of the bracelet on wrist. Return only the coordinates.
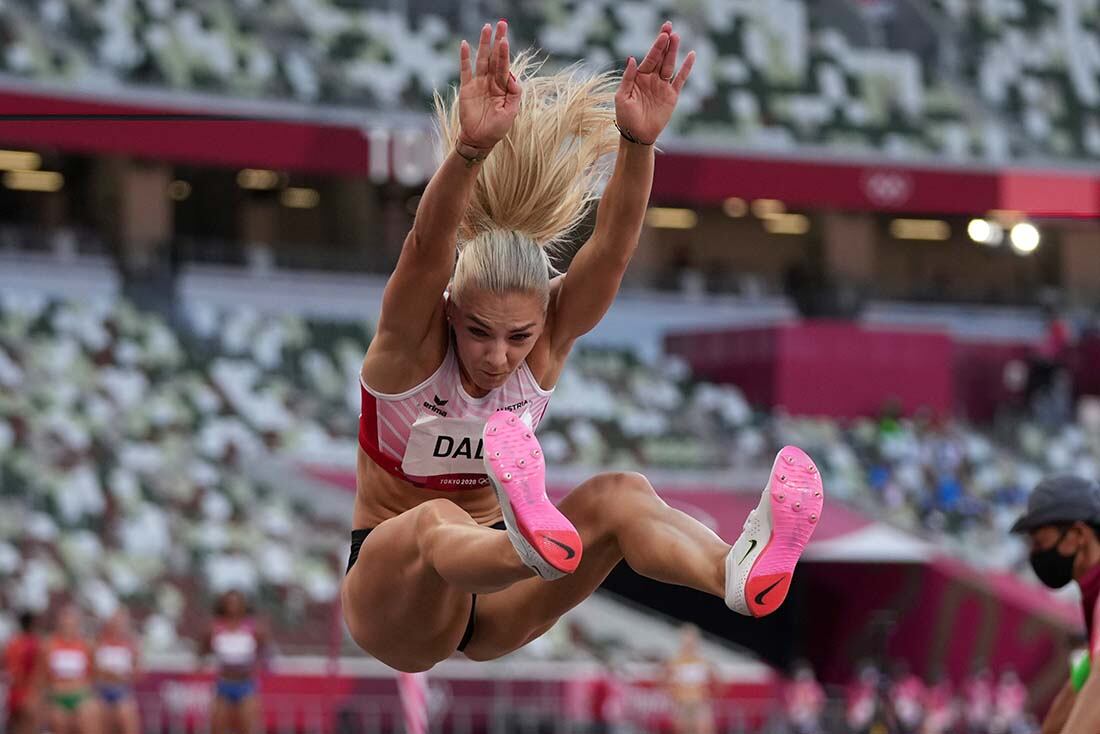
(629, 136)
(478, 157)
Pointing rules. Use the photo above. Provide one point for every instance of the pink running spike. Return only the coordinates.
(769, 578)
(544, 538)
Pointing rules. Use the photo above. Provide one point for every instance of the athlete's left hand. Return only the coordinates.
(649, 90)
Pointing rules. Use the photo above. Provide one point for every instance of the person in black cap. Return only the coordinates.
(1062, 523)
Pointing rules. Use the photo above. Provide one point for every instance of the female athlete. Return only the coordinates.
(116, 668)
(472, 337)
(67, 660)
(238, 644)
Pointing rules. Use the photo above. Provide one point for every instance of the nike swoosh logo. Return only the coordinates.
(760, 597)
(569, 551)
(751, 547)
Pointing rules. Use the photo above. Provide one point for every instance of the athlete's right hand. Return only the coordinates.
(488, 100)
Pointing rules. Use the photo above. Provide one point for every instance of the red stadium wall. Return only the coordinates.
(825, 368)
(844, 370)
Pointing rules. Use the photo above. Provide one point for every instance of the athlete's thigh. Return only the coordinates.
(59, 720)
(128, 717)
(248, 712)
(396, 606)
(509, 619)
(89, 716)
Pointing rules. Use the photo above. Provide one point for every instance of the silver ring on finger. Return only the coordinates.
(670, 78)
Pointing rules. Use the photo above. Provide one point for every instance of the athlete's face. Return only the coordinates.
(494, 333)
(689, 640)
(68, 622)
(235, 605)
(118, 623)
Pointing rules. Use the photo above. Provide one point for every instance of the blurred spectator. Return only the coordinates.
(689, 679)
(238, 644)
(978, 702)
(863, 702)
(21, 660)
(941, 708)
(907, 698)
(1009, 705)
(1050, 386)
(805, 701)
(68, 661)
(116, 667)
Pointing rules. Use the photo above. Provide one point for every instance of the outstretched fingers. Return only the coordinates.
(652, 60)
(685, 72)
(668, 62)
(629, 75)
(502, 58)
(483, 46)
(465, 71)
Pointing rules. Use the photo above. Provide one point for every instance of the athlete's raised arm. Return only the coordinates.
(644, 103)
(489, 98)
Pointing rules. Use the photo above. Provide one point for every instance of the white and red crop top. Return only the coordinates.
(430, 436)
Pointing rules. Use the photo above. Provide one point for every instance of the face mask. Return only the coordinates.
(1053, 569)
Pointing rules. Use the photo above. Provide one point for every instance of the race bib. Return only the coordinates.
(68, 664)
(446, 446)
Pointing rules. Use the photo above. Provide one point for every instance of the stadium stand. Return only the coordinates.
(108, 382)
(122, 470)
(779, 75)
(1039, 64)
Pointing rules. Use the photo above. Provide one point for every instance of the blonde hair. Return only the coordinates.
(538, 182)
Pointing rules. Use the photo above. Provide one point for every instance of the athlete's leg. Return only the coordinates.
(58, 719)
(619, 517)
(108, 718)
(88, 716)
(127, 715)
(407, 599)
(220, 716)
(248, 712)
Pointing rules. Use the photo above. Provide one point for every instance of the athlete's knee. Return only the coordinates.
(621, 489)
(430, 517)
(606, 498)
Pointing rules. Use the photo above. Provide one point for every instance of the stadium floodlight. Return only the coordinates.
(920, 229)
(985, 232)
(299, 198)
(19, 160)
(735, 207)
(766, 208)
(671, 218)
(179, 190)
(34, 181)
(1025, 238)
(257, 179)
(787, 224)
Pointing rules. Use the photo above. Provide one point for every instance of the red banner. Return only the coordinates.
(402, 152)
